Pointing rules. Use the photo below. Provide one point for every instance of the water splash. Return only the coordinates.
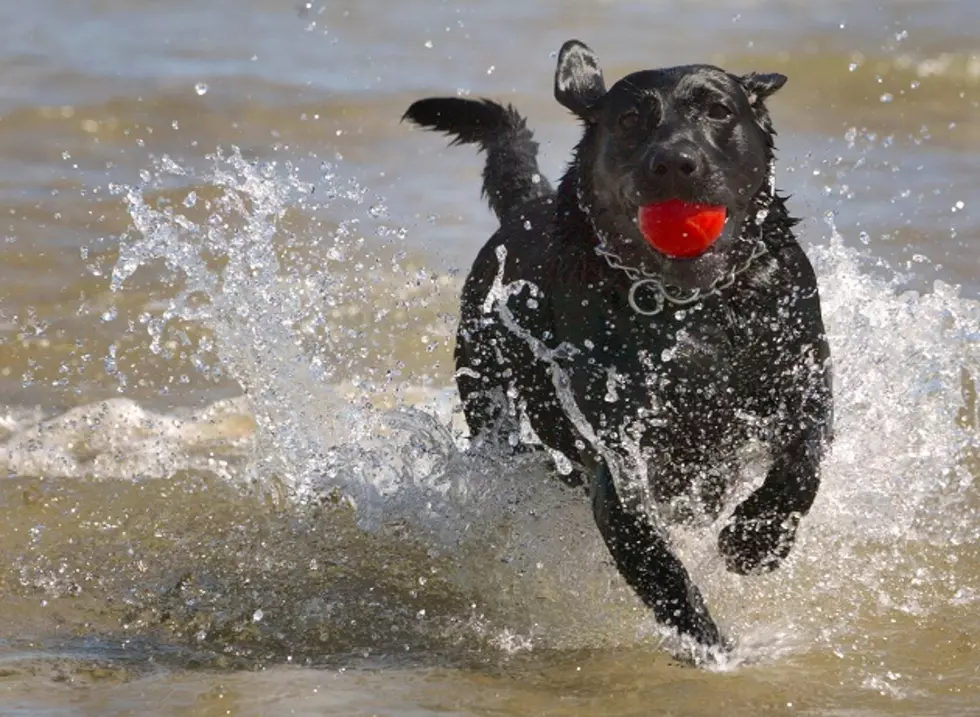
(902, 372)
(279, 329)
(253, 310)
(889, 536)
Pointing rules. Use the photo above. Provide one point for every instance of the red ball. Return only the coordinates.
(679, 229)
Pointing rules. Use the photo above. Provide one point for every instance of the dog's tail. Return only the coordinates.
(511, 176)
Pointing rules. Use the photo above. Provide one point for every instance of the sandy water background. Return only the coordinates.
(208, 354)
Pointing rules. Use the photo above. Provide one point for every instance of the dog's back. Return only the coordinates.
(531, 247)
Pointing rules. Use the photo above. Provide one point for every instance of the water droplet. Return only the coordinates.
(428, 44)
(490, 70)
(201, 88)
(258, 615)
(886, 98)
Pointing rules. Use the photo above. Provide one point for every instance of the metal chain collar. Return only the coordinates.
(666, 294)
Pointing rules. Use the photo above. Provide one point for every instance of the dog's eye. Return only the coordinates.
(718, 111)
(629, 119)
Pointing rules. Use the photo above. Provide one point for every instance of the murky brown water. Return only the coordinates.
(169, 545)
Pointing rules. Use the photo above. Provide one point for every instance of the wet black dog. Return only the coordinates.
(646, 372)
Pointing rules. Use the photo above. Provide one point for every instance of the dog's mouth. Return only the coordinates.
(679, 229)
(689, 243)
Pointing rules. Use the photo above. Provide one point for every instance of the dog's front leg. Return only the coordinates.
(762, 529)
(641, 549)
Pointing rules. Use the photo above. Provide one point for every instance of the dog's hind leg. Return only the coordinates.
(490, 402)
(642, 553)
(483, 396)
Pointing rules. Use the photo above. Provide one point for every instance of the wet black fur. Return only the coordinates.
(690, 384)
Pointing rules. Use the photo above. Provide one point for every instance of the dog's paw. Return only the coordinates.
(756, 540)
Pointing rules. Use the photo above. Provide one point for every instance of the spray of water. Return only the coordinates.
(899, 485)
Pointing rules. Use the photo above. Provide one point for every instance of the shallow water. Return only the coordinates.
(234, 471)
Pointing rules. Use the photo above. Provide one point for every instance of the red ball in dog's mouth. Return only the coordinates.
(679, 229)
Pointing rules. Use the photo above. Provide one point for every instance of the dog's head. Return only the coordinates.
(693, 134)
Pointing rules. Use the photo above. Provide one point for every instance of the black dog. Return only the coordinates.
(647, 372)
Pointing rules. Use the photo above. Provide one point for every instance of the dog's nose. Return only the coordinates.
(680, 162)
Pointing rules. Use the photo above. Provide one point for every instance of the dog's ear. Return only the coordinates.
(758, 86)
(578, 79)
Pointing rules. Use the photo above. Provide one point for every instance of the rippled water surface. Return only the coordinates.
(234, 475)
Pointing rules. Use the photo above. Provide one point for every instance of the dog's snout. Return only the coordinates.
(681, 162)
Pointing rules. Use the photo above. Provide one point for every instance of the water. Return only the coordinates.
(235, 476)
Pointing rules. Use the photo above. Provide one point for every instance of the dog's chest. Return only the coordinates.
(696, 367)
